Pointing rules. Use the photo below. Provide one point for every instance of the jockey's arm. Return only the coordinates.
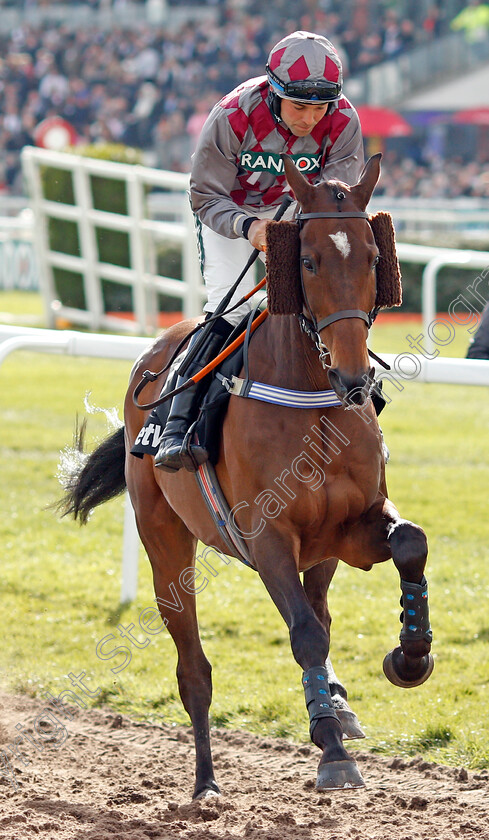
(213, 178)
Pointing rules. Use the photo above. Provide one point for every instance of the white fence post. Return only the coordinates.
(40, 236)
(88, 245)
(191, 267)
(136, 211)
(130, 554)
(434, 260)
(429, 283)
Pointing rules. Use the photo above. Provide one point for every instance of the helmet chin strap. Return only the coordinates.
(274, 104)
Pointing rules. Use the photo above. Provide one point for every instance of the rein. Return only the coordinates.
(311, 326)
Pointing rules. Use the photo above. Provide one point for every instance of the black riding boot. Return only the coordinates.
(171, 456)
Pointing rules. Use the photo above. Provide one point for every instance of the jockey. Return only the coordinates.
(237, 182)
(479, 346)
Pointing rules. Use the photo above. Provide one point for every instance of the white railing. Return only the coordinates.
(142, 233)
(70, 343)
(440, 220)
(435, 259)
(73, 343)
(18, 268)
(393, 81)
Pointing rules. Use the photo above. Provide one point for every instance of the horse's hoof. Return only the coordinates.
(397, 675)
(339, 775)
(349, 724)
(207, 793)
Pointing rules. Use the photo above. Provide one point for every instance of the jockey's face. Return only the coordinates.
(301, 119)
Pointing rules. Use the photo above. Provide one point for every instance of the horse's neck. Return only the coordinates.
(285, 356)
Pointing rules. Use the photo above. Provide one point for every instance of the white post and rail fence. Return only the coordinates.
(144, 235)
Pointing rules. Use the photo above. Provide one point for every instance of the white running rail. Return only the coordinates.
(74, 343)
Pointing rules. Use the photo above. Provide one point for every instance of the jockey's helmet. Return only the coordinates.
(305, 68)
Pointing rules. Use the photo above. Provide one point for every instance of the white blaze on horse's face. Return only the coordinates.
(340, 239)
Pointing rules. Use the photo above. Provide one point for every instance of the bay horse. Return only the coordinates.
(306, 485)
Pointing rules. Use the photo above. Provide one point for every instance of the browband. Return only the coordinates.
(334, 215)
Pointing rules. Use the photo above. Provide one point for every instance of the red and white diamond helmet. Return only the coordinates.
(306, 68)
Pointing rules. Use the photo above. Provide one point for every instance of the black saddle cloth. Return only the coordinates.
(212, 410)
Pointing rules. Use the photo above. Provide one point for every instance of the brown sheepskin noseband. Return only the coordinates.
(283, 266)
(388, 272)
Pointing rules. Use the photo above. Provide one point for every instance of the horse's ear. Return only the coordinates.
(283, 268)
(362, 192)
(300, 186)
(389, 289)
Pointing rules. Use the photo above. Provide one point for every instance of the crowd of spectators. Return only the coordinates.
(404, 177)
(152, 87)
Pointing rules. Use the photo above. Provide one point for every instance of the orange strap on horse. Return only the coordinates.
(149, 376)
(228, 350)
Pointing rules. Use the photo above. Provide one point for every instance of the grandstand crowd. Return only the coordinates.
(152, 87)
(404, 177)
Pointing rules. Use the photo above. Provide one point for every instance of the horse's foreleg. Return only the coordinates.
(171, 548)
(309, 640)
(381, 534)
(411, 663)
(316, 585)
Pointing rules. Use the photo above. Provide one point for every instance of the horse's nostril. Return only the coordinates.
(351, 390)
(337, 383)
(356, 396)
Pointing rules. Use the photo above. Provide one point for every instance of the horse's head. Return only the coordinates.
(336, 289)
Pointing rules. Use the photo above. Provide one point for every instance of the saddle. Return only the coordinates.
(208, 425)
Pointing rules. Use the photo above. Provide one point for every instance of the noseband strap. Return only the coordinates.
(344, 313)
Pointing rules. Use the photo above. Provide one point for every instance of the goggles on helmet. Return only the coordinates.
(304, 89)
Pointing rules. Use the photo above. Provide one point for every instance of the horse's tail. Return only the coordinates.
(90, 480)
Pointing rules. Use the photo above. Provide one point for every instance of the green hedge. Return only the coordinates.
(451, 282)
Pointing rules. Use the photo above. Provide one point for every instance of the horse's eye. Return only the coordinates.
(307, 263)
(376, 260)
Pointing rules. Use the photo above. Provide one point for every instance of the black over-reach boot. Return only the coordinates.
(171, 456)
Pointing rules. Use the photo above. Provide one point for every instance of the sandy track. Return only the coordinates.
(117, 778)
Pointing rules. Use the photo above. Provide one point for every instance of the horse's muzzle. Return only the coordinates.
(351, 390)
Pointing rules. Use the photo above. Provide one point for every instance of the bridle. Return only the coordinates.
(310, 325)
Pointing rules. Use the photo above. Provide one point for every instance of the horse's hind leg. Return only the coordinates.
(171, 550)
(316, 584)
